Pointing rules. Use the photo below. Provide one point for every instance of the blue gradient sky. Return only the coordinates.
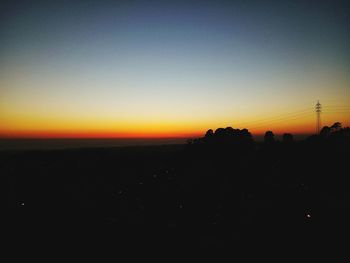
(169, 67)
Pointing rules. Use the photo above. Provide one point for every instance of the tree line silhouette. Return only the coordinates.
(218, 192)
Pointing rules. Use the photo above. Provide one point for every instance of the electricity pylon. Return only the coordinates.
(318, 109)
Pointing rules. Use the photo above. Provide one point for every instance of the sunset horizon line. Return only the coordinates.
(132, 136)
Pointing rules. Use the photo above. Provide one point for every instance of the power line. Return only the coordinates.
(289, 119)
(297, 115)
(336, 106)
(281, 116)
(336, 111)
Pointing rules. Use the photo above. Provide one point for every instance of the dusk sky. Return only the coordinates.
(171, 68)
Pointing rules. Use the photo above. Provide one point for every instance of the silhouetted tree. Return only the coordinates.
(209, 133)
(219, 132)
(325, 131)
(224, 140)
(269, 137)
(336, 126)
(245, 134)
(229, 130)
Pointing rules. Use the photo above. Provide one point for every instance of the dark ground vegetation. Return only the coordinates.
(223, 192)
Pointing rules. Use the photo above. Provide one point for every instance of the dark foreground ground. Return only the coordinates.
(227, 198)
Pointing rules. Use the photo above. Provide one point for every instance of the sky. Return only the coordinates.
(95, 69)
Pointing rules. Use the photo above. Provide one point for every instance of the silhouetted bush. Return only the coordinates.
(269, 137)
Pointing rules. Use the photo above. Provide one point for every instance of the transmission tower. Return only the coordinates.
(318, 109)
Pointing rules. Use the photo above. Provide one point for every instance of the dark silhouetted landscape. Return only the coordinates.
(110, 143)
(221, 192)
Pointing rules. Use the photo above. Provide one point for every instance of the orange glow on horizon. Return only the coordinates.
(75, 127)
(46, 134)
(93, 135)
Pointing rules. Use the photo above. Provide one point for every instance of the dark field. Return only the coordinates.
(212, 195)
(63, 144)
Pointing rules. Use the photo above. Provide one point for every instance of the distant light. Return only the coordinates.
(22, 204)
(308, 215)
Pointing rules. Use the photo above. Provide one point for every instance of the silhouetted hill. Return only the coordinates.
(220, 192)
